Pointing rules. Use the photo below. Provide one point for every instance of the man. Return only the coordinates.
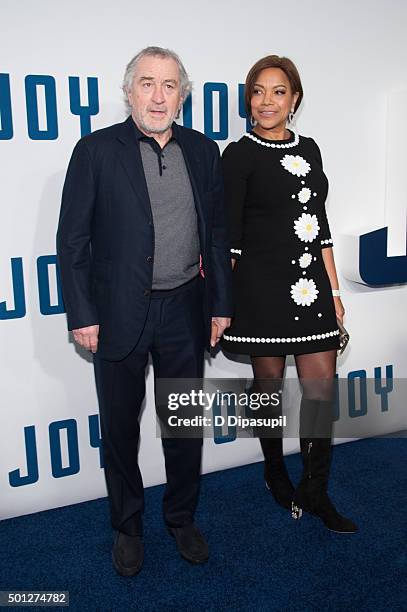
(144, 263)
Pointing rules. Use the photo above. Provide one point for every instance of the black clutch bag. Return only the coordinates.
(343, 337)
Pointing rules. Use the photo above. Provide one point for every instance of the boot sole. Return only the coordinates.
(345, 532)
(302, 510)
(335, 530)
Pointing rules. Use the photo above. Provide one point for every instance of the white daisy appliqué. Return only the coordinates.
(296, 165)
(305, 260)
(304, 292)
(306, 227)
(304, 195)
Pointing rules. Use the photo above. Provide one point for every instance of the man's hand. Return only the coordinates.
(87, 337)
(219, 324)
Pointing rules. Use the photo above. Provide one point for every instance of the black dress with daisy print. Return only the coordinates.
(275, 194)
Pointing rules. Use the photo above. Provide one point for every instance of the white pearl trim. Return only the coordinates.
(327, 241)
(238, 251)
(274, 145)
(330, 334)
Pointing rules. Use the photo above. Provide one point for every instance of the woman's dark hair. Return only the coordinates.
(273, 61)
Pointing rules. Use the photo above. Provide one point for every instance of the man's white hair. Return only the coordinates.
(185, 83)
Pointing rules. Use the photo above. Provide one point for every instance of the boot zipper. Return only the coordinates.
(296, 511)
(309, 459)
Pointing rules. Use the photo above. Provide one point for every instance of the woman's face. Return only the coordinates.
(272, 100)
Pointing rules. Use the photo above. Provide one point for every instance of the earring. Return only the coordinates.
(252, 121)
(291, 118)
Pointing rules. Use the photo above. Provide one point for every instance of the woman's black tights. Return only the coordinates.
(316, 372)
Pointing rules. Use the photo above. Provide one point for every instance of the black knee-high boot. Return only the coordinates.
(271, 440)
(311, 494)
(275, 472)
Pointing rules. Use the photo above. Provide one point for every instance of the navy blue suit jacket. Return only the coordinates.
(105, 239)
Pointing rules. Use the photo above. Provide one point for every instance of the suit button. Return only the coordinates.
(146, 292)
(149, 258)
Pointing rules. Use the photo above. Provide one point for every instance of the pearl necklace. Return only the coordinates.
(274, 145)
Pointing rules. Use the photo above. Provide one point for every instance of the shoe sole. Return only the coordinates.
(194, 561)
(126, 571)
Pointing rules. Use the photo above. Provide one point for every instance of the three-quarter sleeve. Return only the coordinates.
(235, 172)
(325, 232)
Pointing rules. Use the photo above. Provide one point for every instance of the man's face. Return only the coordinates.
(155, 96)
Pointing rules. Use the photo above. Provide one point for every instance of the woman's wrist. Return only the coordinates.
(336, 292)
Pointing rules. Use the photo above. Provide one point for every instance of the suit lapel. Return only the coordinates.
(130, 158)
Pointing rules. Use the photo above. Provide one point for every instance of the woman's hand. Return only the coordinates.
(339, 309)
(219, 324)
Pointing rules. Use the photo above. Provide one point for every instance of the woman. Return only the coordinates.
(287, 298)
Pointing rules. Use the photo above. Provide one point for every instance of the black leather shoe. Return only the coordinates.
(127, 554)
(190, 543)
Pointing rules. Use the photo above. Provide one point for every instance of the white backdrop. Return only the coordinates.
(351, 57)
